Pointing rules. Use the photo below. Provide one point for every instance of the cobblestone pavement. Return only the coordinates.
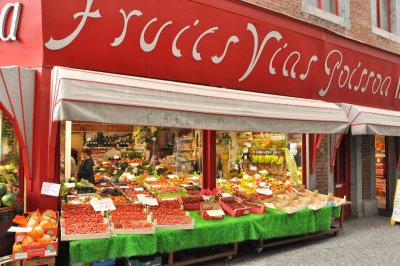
(369, 241)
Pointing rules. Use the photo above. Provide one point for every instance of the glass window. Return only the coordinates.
(383, 17)
(330, 6)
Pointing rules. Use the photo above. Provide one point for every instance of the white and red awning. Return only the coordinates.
(372, 121)
(81, 95)
(17, 86)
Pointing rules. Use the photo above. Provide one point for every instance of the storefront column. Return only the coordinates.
(331, 180)
(209, 159)
(370, 203)
(356, 177)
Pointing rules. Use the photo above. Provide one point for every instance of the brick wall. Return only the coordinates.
(366, 150)
(321, 167)
(360, 19)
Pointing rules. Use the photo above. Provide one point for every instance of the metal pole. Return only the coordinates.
(67, 152)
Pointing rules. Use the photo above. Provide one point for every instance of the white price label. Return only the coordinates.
(50, 189)
(21, 256)
(138, 189)
(215, 213)
(49, 253)
(226, 195)
(151, 179)
(253, 168)
(16, 229)
(102, 205)
(69, 185)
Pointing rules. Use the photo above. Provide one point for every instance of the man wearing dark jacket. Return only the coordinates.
(86, 168)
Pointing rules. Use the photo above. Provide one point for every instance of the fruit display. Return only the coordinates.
(9, 199)
(42, 240)
(191, 202)
(176, 180)
(211, 211)
(128, 212)
(254, 207)
(80, 221)
(110, 192)
(233, 207)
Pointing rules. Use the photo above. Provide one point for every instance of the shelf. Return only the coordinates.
(184, 150)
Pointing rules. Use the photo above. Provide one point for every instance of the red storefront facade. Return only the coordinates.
(218, 43)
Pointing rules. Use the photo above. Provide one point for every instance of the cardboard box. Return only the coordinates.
(28, 251)
(190, 206)
(52, 231)
(210, 206)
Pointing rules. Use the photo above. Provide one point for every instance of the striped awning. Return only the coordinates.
(80, 95)
(17, 86)
(372, 121)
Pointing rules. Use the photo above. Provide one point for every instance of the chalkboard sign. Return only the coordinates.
(396, 205)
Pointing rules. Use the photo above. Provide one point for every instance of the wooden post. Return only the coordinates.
(209, 159)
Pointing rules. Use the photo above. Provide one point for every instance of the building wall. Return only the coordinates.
(360, 21)
(321, 166)
(366, 166)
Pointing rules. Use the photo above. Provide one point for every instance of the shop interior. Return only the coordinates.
(179, 151)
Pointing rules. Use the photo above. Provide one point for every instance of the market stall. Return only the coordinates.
(86, 96)
(273, 224)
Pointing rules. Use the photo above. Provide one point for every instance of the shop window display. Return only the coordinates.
(380, 171)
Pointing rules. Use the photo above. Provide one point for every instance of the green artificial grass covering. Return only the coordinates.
(273, 224)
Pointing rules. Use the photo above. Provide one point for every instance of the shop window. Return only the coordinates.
(277, 155)
(335, 11)
(384, 15)
(331, 6)
(380, 171)
(135, 150)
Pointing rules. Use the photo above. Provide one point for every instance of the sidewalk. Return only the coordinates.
(370, 241)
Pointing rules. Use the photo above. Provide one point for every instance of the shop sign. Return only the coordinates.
(250, 54)
(10, 11)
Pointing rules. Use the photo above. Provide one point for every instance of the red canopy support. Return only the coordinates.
(209, 159)
(315, 141)
(335, 143)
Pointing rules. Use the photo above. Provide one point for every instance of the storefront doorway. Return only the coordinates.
(381, 173)
(342, 172)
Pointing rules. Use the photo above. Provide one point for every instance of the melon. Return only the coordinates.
(3, 189)
(9, 199)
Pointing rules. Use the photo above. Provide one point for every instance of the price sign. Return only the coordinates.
(215, 213)
(50, 189)
(102, 205)
(253, 168)
(396, 205)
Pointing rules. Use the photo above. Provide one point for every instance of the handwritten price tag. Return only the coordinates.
(50, 189)
(102, 205)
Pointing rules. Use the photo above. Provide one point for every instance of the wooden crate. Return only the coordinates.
(69, 237)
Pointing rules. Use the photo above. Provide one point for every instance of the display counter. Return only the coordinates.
(272, 224)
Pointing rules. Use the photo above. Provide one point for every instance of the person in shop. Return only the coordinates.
(111, 153)
(74, 161)
(86, 167)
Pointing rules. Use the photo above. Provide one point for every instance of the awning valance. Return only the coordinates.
(372, 121)
(17, 88)
(81, 95)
